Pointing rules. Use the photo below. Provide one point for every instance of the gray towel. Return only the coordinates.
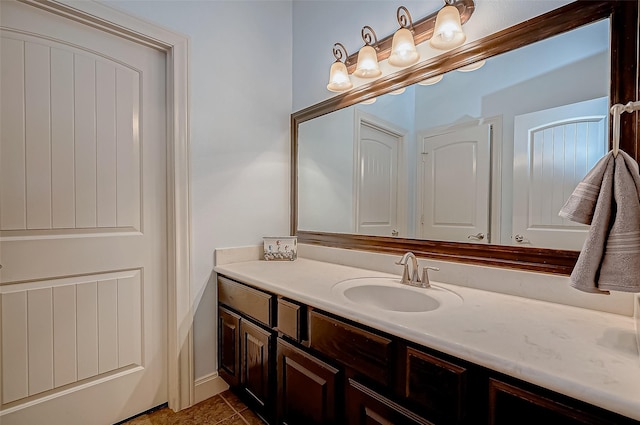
(580, 207)
(609, 199)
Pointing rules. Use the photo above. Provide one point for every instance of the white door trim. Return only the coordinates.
(177, 47)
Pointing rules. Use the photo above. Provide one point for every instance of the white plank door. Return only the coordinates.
(377, 181)
(82, 222)
(456, 185)
(553, 151)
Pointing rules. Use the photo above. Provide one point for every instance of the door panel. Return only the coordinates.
(62, 331)
(456, 185)
(80, 158)
(553, 151)
(377, 190)
(83, 251)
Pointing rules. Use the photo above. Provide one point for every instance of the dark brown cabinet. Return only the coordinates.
(247, 343)
(307, 388)
(291, 319)
(229, 346)
(360, 350)
(367, 407)
(510, 404)
(436, 386)
(255, 348)
(297, 365)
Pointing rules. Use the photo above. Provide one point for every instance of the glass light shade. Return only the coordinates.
(472, 67)
(339, 78)
(431, 81)
(403, 49)
(369, 101)
(447, 32)
(398, 91)
(367, 66)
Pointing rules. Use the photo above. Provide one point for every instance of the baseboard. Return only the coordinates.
(208, 386)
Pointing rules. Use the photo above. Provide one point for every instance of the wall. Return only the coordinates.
(326, 163)
(240, 106)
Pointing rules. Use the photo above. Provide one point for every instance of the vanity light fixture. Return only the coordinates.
(447, 32)
(472, 67)
(367, 66)
(400, 48)
(403, 48)
(339, 80)
(431, 81)
(398, 91)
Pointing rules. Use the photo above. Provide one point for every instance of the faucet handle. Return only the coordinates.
(425, 275)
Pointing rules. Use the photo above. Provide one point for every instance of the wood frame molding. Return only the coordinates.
(180, 382)
(625, 86)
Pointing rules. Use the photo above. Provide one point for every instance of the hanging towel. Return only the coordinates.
(608, 198)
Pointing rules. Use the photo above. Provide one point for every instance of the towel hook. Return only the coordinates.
(616, 111)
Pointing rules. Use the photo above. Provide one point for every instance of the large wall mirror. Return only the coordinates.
(467, 164)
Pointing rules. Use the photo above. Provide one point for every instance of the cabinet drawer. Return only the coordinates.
(290, 319)
(436, 385)
(510, 404)
(367, 407)
(249, 301)
(358, 349)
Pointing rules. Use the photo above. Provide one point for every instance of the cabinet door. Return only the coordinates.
(229, 346)
(436, 385)
(509, 405)
(366, 407)
(306, 388)
(255, 347)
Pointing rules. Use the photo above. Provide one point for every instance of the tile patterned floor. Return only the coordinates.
(222, 409)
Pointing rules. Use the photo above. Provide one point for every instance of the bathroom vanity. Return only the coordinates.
(300, 346)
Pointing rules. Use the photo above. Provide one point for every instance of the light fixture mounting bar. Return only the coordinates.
(423, 30)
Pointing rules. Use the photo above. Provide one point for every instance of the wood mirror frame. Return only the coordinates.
(624, 87)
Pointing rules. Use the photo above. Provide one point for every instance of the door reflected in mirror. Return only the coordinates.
(487, 156)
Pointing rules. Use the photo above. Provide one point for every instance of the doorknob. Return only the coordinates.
(520, 239)
(394, 232)
(478, 237)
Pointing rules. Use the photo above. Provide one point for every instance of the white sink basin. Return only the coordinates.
(389, 294)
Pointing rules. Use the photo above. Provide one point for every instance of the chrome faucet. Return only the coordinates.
(413, 278)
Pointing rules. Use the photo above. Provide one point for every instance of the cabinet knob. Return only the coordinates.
(478, 237)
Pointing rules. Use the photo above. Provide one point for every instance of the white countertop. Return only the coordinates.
(589, 355)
